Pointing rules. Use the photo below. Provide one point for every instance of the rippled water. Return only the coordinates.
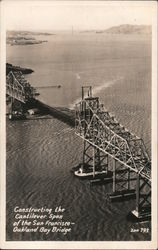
(41, 153)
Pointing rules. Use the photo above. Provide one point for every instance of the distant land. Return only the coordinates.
(124, 29)
(130, 29)
(25, 37)
(30, 37)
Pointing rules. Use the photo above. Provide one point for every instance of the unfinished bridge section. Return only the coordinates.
(114, 144)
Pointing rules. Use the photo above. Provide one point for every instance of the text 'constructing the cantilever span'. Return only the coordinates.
(43, 220)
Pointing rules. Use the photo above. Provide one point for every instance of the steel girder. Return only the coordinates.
(96, 126)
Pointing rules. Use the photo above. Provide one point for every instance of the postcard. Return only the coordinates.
(78, 124)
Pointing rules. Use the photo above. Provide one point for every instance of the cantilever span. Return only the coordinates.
(95, 125)
(104, 133)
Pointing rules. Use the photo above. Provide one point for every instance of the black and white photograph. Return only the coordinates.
(78, 151)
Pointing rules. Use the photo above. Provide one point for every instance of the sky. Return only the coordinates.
(53, 15)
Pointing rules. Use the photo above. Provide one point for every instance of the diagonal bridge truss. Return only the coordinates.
(14, 86)
(125, 151)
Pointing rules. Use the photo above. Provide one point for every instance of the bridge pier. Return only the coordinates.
(121, 182)
(11, 108)
(143, 198)
(94, 163)
(15, 108)
(94, 159)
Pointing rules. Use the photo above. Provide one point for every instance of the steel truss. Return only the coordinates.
(94, 159)
(121, 177)
(143, 198)
(14, 88)
(97, 127)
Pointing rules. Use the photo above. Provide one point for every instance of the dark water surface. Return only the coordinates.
(41, 153)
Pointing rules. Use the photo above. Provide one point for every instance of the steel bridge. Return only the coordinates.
(111, 143)
(15, 86)
(19, 91)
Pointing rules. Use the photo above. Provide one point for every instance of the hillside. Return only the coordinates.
(130, 29)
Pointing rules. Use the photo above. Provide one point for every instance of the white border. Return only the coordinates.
(77, 244)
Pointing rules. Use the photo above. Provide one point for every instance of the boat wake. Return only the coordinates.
(97, 89)
(78, 75)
